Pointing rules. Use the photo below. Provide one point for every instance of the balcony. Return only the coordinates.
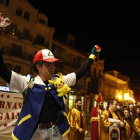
(26, 36)
(41, 42)
(19, 54)
(12, 31)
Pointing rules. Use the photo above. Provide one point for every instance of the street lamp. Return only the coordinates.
(119, 97)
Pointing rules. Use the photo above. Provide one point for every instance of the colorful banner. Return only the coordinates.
(10, 106)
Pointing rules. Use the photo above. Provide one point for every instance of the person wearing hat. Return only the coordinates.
(43, 112)
(94, 119)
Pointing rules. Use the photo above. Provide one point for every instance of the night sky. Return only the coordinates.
(114, 25)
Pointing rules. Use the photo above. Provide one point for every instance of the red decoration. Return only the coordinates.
(99, 99)
(2, 95)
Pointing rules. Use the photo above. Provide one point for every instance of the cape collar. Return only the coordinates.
(39, 81)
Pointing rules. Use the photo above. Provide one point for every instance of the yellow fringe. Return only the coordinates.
(66, 133)
(14, 137)
(24, 119)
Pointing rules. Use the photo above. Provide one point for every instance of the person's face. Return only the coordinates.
(138, 110)
(79, 104)
(138, 103)
(47, 70)
(126, 113)
(113, 106)
(131, 108)
(121, 107)
(100, 105)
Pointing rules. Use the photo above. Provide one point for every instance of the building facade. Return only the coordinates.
(27, 33)
(116, 86)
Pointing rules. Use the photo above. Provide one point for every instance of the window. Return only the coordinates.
(42, 21)
(11, 29)
(59, 52)
(16, 50)
(26, 15)
(26, 32)
(7, 3)
(74, 61)
(1, 1)
(66, 57)
(17, 69)
(40, 39)
(9, 66)
(19, 12)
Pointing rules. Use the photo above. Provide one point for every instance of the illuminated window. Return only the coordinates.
(71, 102)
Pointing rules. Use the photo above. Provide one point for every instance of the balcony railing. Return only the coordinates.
(26, 36)
(41, 42)
(19, 54)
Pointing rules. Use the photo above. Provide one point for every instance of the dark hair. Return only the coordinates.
(134, 114)
(137, 102)
(110, 101)
(127, 110)
(125, 107)
(39, 63)
(76, 101)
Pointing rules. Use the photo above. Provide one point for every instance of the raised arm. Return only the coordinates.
(5, 73)
(86, 66)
